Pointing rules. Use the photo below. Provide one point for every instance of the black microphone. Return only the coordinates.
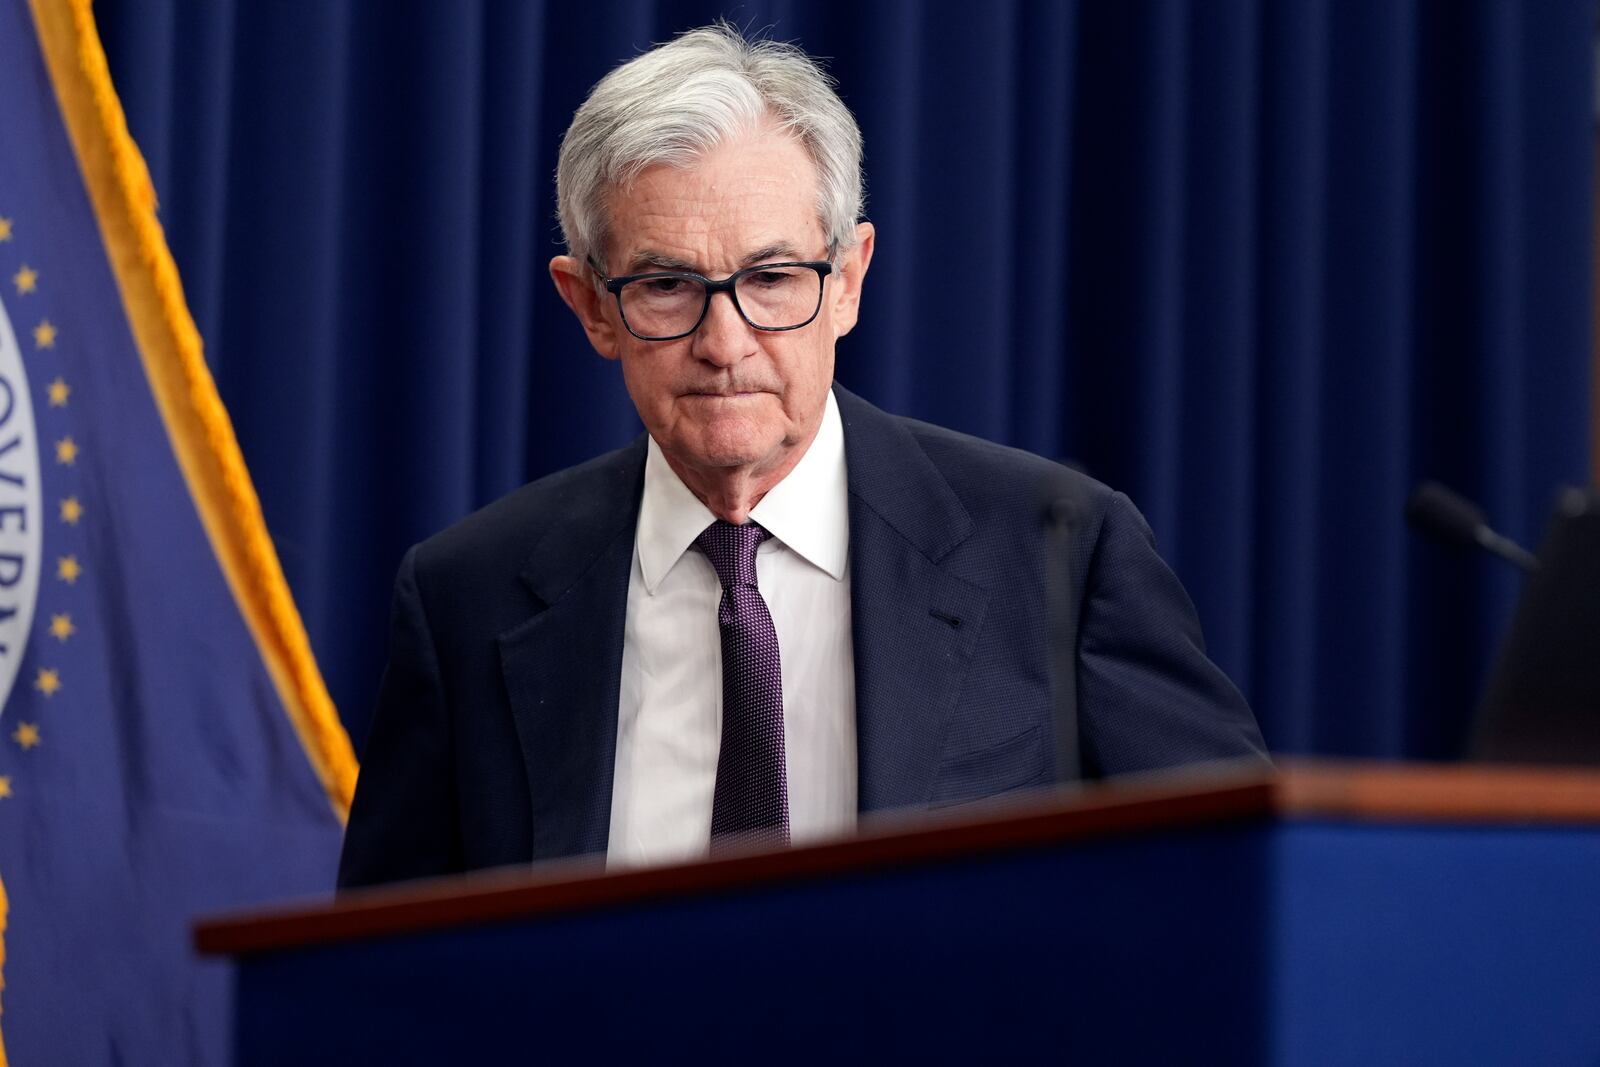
(1450, 517)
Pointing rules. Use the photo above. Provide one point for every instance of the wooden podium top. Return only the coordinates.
(1379, 793)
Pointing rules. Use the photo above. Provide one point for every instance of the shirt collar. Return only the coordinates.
(809, 510)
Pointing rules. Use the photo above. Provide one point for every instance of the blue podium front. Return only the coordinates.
(1329, 915)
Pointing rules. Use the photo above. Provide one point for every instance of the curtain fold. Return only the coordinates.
(1261, 265)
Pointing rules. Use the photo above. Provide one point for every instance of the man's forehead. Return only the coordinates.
(750, 199)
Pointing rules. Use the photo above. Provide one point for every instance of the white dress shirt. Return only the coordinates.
(669, 716)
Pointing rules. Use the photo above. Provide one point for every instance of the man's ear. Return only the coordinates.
(581, 292)
(845, 307)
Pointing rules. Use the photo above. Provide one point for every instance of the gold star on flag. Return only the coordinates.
(48, 682)
(27, 279)
(68, 569)
(44, 335)
(71, 511)
(5, 786)
(61, 627)
(26, 734)
(66, 451)
(59, 391)
(5, 229)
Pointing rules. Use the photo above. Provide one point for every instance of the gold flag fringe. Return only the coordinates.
(202, 436)
(3, 908)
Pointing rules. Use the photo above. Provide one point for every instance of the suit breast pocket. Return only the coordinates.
(1019, 762)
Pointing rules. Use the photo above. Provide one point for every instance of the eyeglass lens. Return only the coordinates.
(774, 298)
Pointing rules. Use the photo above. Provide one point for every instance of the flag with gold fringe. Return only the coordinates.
(167, 746)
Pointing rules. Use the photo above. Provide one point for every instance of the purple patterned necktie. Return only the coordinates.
(752, 795)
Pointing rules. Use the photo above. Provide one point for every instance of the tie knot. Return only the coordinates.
(732, 551)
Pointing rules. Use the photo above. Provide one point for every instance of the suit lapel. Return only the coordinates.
(915, 627)
(562, 667)
(915, 623)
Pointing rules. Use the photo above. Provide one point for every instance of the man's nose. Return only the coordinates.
(723, 337)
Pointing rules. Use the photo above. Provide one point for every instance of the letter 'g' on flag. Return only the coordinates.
(167, 746)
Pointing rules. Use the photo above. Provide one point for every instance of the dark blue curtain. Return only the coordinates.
(1261, 265)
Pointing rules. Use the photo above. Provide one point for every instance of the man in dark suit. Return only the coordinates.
(781, 607)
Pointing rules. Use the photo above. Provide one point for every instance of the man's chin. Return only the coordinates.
(728, 448)
(731, 456)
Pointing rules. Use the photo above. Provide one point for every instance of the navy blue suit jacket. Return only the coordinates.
(495, 733)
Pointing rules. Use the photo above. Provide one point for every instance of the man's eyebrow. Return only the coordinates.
(771, 253)
(648, 261)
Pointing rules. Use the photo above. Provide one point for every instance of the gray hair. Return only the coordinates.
(681, 99)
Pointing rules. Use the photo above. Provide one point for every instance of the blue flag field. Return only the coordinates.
(167, 746)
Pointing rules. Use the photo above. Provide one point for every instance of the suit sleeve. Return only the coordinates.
(402, 821)
(1148, 696)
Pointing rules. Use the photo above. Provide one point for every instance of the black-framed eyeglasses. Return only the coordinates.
(665, 305)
